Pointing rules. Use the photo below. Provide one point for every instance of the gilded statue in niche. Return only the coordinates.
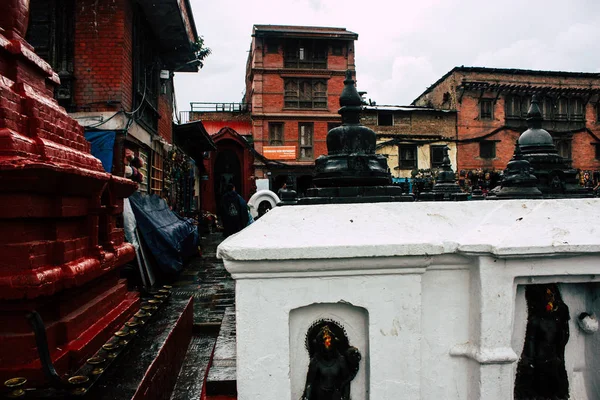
(333, 362)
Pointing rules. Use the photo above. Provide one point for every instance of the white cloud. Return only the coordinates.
(404, 46)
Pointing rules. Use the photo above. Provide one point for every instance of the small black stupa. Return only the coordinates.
(352, 172)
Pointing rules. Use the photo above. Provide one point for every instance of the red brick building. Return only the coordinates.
(294, 78)
(116, 61)
(492, 106)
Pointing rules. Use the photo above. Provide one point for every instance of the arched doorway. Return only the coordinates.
(227, 170)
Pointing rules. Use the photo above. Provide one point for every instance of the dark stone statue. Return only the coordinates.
(333, 363)
(541, 370)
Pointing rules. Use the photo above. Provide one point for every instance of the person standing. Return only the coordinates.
(234, 211)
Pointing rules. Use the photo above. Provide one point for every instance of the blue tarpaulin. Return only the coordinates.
(103, 143)
(170, 238)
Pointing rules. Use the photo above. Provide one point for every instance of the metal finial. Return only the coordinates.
(534, 115)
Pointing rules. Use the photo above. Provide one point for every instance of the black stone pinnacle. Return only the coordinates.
(351, 172)
(351, 159)
(555, 178)
(518, 181)
(445, 183)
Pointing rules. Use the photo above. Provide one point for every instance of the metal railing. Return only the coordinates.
(220, 107)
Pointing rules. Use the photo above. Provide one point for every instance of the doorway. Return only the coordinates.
(227, 170)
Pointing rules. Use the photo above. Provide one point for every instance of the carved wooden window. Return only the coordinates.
(305, 93)
(562, 108)
(486, 108)
(385, 118)
(487, 149)
(310, 54)
(51, 32)
(525, 104)
(146, 73)
(305, 135)
(576, 109)
(275, 134)
(156, 181)
(513, 107)
(407, 156)
(437, 156)
(547, 108)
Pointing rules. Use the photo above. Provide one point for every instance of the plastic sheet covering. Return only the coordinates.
(129, 224)
(170, 238)
(103, 143)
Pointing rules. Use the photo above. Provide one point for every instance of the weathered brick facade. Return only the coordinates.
(404, 131)
(294, 77)
(103, 55)
(114, 53)
(491, 107)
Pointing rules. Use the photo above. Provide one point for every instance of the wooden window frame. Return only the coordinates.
(431, 150)
(273, 141)
(512, 110)
(484, 143)
(306, 146)
(305, 93)
(157, 178)
(386, 114)
(305, 53)
(484, 115)
(406, 163)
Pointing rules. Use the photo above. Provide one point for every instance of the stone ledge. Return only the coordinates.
(342, 231)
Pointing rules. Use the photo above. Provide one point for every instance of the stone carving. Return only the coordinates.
(541, 370)
(333, 362)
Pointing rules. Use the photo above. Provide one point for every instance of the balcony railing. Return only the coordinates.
(220, 107)
(197, 108)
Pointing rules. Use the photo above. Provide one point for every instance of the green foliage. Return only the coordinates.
(201, 51)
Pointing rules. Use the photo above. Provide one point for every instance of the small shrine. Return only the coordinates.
(555, 178)
(518, 181)
(351, 172)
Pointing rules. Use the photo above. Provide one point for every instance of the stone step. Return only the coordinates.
(149, 367)
(191, 379)
(221, 378)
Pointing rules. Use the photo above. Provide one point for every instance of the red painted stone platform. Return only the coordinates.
(60, 248)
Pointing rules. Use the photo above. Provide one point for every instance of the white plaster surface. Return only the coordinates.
(502, 228)
(442, 286)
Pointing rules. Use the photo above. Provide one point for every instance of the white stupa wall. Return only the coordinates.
(432, 294)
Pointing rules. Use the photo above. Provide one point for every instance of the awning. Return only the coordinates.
(173, 24)
(193, 139)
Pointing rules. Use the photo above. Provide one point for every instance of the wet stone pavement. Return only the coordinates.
(206, 280)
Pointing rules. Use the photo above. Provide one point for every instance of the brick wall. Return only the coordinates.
(414, 123)
(102, 54)
(267, 94)
(445, 95)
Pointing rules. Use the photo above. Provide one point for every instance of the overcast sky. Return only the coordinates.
(403, 46)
